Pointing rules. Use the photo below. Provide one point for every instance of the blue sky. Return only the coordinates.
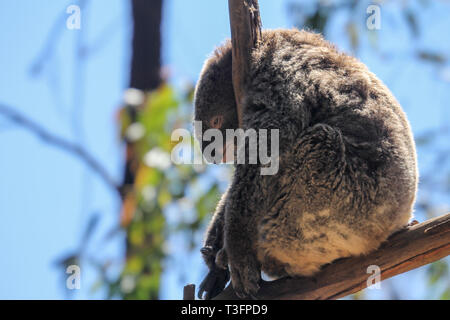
(47, 196)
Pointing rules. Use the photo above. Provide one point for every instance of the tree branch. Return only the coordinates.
(245, 24)
(406, 250)
(59, 142)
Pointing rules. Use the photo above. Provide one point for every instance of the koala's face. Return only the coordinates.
(215, 104)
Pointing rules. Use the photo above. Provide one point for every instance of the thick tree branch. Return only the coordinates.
(406, 250)
(59, 142)
(245, 25)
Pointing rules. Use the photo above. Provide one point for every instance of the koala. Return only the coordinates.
(347, 175)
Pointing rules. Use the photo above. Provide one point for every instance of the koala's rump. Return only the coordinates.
(298, 243)
(343, 198)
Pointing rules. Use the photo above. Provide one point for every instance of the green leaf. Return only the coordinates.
(436, 271)
(134, 265)
(353, 35)
(445, 295)
(207, 202)
(317, 21)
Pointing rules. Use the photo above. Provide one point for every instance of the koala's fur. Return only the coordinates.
(347, 174)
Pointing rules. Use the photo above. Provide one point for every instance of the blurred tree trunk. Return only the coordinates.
(145, 62)
(146, 59)
(146, 76)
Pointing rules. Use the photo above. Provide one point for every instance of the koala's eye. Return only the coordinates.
(216, 122)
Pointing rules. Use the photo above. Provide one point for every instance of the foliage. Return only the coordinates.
(158, 184)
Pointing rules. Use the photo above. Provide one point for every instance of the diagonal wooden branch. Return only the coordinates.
(406, 250)
(15, 117)
(245, 24)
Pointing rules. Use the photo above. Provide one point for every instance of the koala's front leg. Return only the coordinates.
(215, 256)
(213, 251)
(240, 240)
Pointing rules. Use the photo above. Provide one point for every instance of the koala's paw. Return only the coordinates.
(209, 256)
(245, 277)
(214, 283)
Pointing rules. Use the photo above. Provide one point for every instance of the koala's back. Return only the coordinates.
(348, 171)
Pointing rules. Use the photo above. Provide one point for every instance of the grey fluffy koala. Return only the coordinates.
(347, 175)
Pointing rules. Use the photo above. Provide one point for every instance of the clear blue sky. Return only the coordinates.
(46, 195)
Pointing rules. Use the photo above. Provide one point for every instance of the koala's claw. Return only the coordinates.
(207, 251)
(214, 283)
(209, 256)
